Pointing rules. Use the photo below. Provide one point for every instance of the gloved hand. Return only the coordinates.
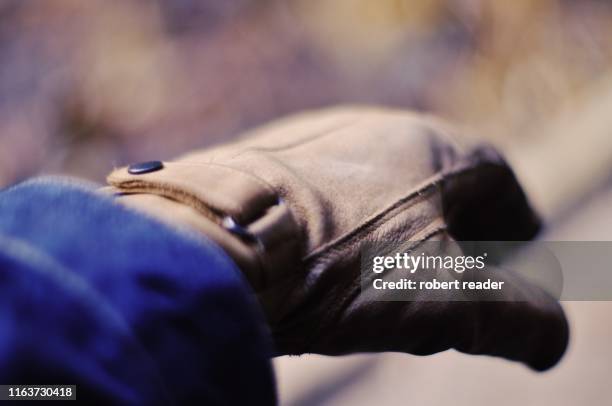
(294, 203)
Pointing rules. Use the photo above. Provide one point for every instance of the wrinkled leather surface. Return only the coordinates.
(312, 189)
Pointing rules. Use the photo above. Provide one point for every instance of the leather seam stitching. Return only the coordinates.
(367, 225)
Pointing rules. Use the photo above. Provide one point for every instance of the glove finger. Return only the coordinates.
(522, 322)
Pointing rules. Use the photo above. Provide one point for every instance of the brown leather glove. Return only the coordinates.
(294, 202)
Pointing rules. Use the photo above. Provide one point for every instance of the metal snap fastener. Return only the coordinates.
(241, 232)
(233, 227)
(145, 167)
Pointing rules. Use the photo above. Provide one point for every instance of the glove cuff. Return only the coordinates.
(238, 211)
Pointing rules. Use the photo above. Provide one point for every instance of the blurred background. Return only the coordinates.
(89, 85)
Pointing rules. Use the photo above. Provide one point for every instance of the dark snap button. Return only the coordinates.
(145, 167)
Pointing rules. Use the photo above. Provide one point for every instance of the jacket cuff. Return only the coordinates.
(132, 309)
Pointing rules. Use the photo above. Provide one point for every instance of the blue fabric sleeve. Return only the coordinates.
(128, 309)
